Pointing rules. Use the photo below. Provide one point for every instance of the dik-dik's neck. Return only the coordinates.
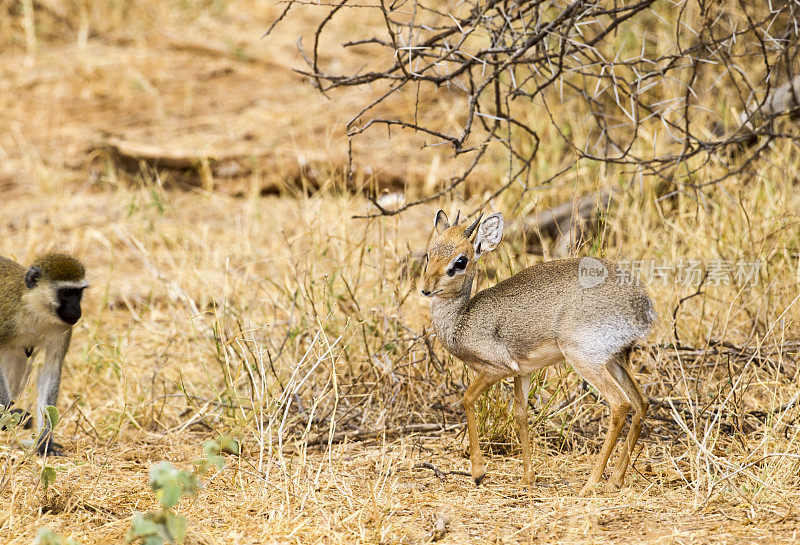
(446, 313)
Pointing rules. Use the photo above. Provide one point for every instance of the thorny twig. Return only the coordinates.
(658, 106)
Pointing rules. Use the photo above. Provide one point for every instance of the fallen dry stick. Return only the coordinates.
(360, 435)
(566, 223)
(286, 167)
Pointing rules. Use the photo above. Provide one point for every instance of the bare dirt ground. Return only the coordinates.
(187, 260)
(194, 87)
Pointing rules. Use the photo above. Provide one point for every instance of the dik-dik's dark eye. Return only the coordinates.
(459, 265)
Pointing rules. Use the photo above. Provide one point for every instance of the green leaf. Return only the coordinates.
(217, 461)
(47, 537)
(142, 527)
(48, 476)
(214, 447)
(149, 530)
(10, 420)
(52, 416)
(169, 495)
(176, 525)
(229, 445)
(211, 447)
(171, 484)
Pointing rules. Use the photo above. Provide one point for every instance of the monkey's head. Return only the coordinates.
(55, 285)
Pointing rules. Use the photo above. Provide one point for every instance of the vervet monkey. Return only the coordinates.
(38, 307)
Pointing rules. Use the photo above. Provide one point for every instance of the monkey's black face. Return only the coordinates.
(69, 304)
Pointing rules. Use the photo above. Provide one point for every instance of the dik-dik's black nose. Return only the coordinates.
(426, 293)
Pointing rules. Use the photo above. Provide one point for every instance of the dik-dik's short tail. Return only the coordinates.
(644, 314)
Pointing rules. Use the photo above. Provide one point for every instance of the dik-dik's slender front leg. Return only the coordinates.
(478, 386)
(522, 386)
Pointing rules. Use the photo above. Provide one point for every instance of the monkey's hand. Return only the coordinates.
(45, 446)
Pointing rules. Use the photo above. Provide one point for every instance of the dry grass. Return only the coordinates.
(284, 322)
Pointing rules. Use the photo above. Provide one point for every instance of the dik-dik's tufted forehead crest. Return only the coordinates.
(449, 241)
(60, 268)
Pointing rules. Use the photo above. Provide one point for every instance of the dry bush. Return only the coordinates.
(664, 89)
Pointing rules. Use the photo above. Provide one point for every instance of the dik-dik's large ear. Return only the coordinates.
(441, 222)
(490, 233)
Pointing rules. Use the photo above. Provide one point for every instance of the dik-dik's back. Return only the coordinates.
(566, 301)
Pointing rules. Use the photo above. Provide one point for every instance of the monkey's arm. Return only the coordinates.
(7, 360)
(13, 372)
(15, 364)
(47, 386)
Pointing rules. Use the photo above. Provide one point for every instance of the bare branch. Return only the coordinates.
(661, 107)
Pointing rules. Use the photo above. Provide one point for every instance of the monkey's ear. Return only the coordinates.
(32, 277)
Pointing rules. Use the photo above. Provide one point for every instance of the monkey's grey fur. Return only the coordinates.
(38, 307)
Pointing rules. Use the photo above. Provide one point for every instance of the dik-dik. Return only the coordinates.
(572, 310)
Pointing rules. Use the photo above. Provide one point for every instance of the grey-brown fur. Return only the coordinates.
(575, 310)
(510, 313)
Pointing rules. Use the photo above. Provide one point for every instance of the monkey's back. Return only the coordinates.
(12, 286)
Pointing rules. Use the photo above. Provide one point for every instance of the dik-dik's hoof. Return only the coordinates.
(588, 489)
(478, 470)
(529, 479)
(612, 486)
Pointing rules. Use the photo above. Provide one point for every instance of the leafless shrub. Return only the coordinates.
(665, 88)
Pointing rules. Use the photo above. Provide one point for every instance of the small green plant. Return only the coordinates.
(164, 526)
(170, 485)
(213, 450)
(48, 473)
(52, 415)
(9, 419)
(45, 536)
(47, 476)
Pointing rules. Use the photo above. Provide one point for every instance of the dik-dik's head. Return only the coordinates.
(451, 258)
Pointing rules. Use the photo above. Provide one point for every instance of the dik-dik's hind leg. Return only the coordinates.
(522, 385)
(478, 386)
(599, 375)
(620, 370)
